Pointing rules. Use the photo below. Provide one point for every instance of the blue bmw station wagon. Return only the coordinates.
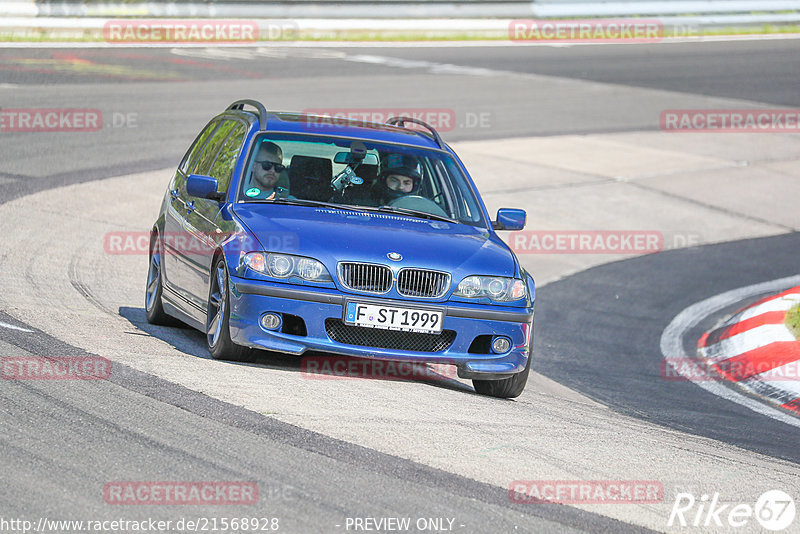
(292, 232)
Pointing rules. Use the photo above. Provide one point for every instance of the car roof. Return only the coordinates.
(305, 123)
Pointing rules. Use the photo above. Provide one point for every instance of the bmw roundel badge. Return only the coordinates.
(394, 256)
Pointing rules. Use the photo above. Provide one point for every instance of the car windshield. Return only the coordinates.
(360, 174)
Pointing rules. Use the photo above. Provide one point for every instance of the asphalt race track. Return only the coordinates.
(321, 452)
(626, 358)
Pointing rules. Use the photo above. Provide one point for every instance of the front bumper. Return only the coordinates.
(249, 299)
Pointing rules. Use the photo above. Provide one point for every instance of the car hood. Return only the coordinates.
(334, 235)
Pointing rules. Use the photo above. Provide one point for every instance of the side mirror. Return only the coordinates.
(509, 219)
(201, 186)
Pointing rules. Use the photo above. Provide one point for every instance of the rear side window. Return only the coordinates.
(223, 166)
(213, 147)
(191, 156)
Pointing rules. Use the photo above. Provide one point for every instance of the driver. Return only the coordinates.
(396, 182)
(267, 169)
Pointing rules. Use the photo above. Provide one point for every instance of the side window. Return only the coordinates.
(222, 169)
(212, 148)
(194, 151)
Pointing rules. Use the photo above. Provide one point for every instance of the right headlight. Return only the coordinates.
(497, 288)
(287, 266)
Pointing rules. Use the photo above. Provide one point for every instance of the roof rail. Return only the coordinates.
(262, 111)
(399, 121)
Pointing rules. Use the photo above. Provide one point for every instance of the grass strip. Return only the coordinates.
(793, 321)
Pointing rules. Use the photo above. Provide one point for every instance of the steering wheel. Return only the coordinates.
(418, 203)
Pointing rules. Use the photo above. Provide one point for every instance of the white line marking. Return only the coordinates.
(433, 67)
(12, 327)
(672, 343)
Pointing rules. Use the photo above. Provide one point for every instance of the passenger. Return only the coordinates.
(267, 170)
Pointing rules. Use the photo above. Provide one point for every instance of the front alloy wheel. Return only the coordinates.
(218, 334)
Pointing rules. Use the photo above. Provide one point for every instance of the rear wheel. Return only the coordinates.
(153, 307)
(506, 388)
(218, 333)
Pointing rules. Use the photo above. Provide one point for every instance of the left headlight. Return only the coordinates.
(287, 266)
(497, 288)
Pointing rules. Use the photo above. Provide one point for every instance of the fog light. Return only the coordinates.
(271, 321)
(501, 345)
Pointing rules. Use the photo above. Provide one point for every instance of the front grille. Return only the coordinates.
(366, 277)
(388, 339)
(422, 283)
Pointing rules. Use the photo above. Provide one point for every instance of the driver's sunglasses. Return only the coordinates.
(267, 165)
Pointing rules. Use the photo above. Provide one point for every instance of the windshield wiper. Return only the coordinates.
(331, 205)
(415, 213)
(313, 203)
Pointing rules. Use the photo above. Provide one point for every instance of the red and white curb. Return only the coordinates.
(683, 363)
(756, 350)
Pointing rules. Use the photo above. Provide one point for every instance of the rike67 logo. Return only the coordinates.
(774, 510)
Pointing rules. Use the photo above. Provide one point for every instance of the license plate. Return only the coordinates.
(393, 318)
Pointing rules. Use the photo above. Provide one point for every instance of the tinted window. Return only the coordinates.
(213, 147)
(194, 151)
(401, 176)
(222, 169)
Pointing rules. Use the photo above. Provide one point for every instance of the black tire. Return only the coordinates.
(218, 335)
(506, 388)
(153, 307)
